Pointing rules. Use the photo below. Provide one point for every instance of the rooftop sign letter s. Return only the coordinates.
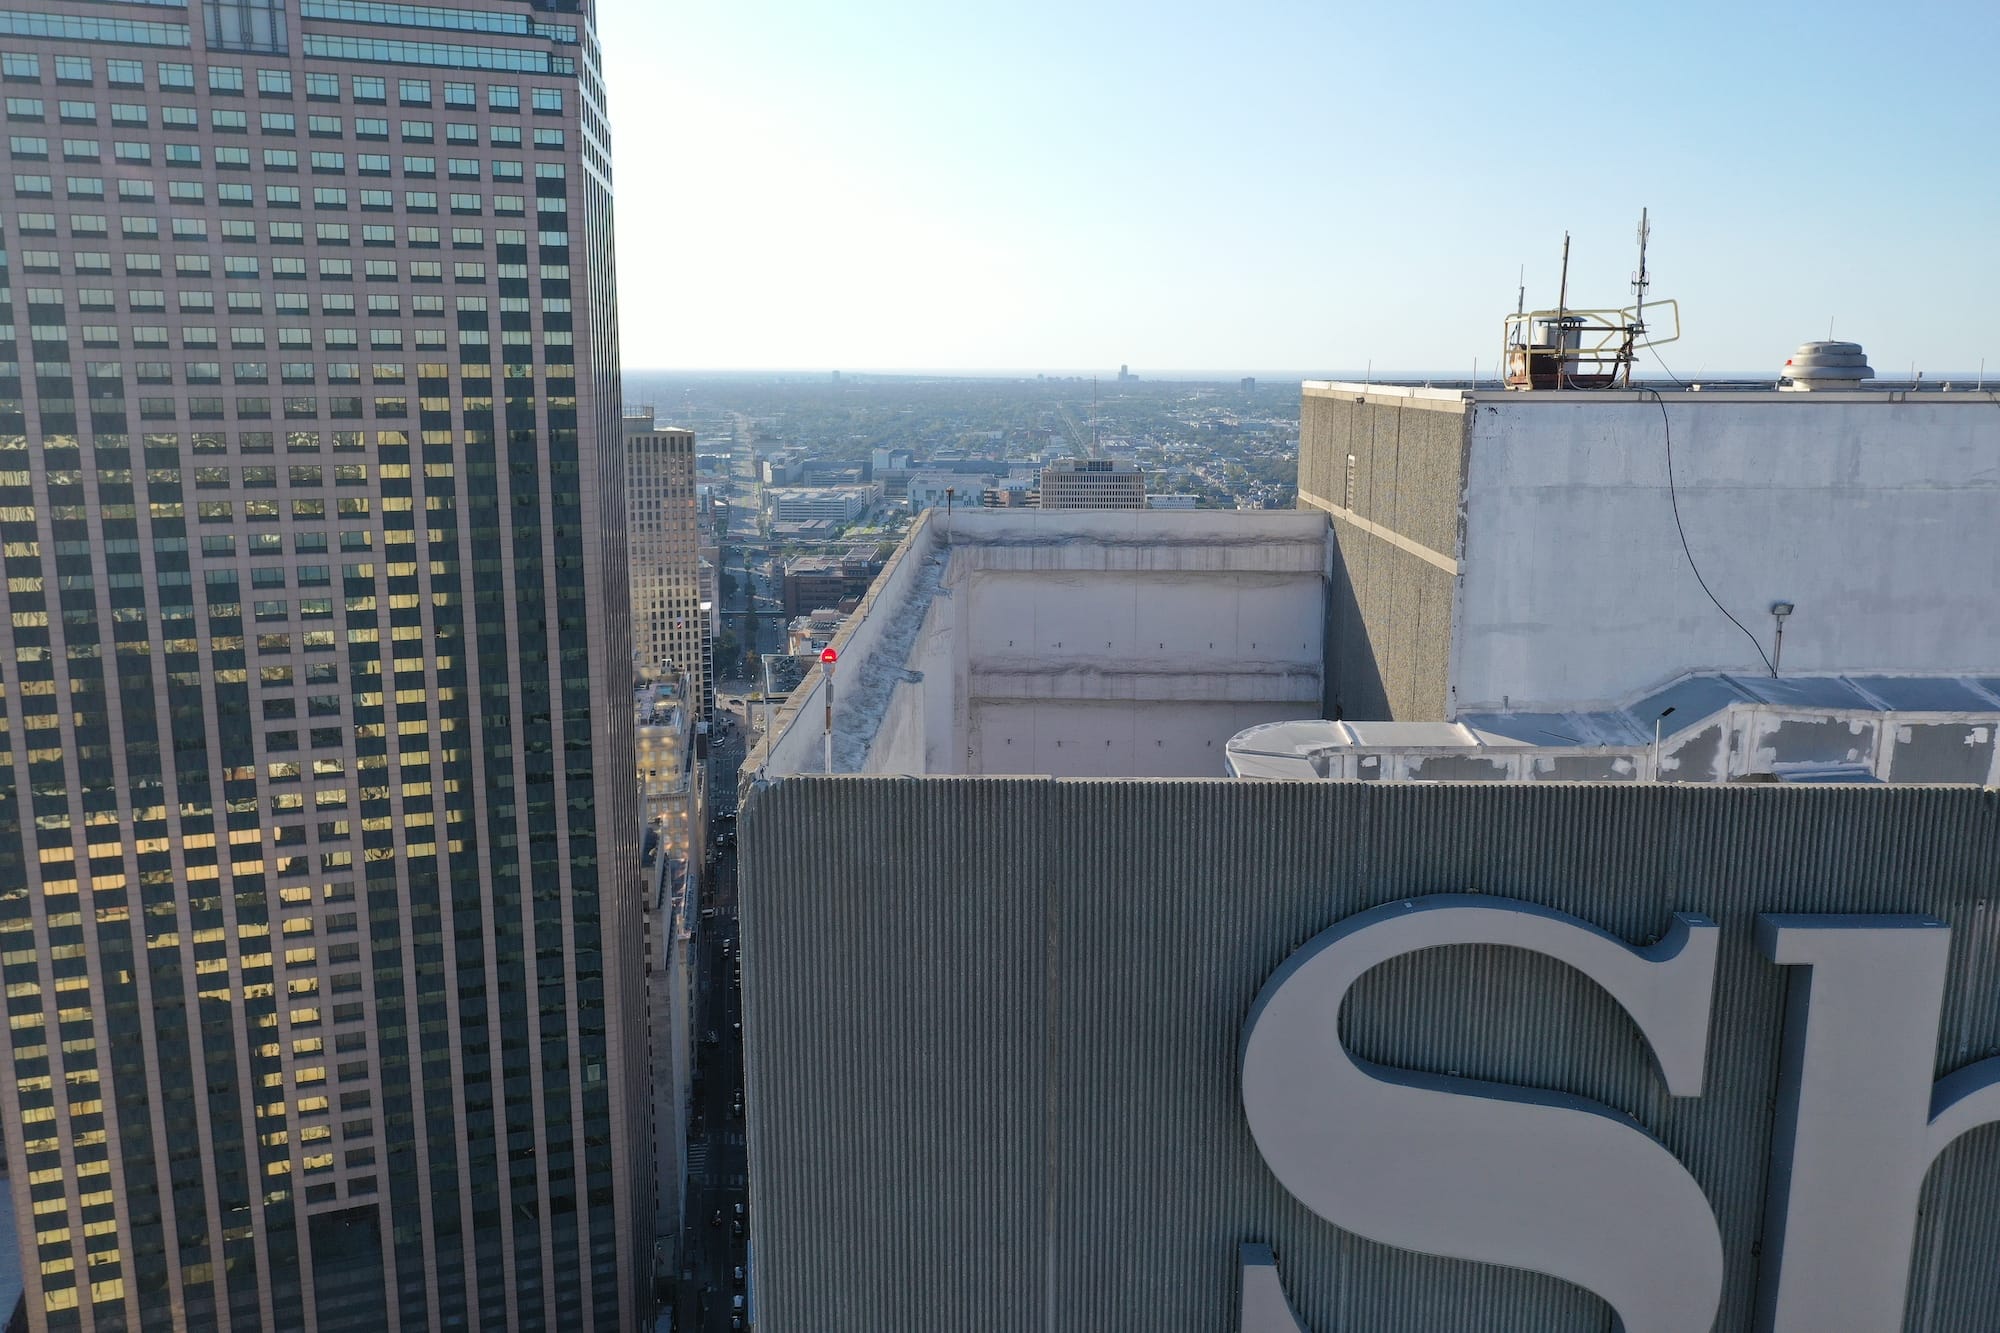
(1491, 1172)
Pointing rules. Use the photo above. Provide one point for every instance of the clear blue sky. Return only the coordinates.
(1292, 186)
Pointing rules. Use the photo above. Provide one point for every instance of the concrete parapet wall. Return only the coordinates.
(1872, 514)
(996, 641)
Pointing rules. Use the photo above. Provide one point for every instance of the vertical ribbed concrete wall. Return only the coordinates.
(1396, 519)
(992, 1030)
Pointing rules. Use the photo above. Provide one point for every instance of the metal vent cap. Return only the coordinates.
(1826, 365)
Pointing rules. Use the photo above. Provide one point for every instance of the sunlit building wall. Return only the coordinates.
(319, 886)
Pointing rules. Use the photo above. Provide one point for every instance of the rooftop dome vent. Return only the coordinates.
(1825, 365)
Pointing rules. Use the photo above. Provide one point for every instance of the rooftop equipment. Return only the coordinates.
(1583, 349)
(1825, 365)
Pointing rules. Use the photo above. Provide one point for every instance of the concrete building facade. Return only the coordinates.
(319, 884)
(1524, 550)
(806, 504)
(925, 489)
(813, 583)
(1092, 483)
(710, 609)
(664, 536)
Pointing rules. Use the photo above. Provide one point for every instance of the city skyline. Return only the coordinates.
(1298, 186)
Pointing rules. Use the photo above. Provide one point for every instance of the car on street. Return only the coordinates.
(737, 1276)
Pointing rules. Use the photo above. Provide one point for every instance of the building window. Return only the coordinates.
(246, 25)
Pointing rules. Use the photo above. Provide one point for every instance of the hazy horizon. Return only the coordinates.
(1289, 183)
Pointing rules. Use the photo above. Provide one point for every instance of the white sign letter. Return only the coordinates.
(1859, 1120)
(1265, 1309)
(1485, 1171)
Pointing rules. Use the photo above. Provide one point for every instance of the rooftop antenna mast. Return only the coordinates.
(1562, 317)
(1562, 292)
(1639, 284)
(1566, 348)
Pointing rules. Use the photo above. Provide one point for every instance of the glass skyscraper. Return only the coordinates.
(319, 845)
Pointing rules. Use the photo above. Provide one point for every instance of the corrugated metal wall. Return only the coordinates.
(992, 1029)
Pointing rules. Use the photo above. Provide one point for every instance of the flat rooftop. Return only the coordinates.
(1100, 643)
(1970, 391)
(1708, 727)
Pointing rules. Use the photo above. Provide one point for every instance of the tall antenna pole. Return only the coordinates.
(1562, 309)
(1521, 294)
(1640, 281)
(1562, 293)
(1639, 285)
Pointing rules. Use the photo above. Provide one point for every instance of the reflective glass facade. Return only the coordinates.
(319, 899)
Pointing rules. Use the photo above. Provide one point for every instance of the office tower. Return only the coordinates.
(709, 605)
(1092, 483)
(318, 852)
(663, 526)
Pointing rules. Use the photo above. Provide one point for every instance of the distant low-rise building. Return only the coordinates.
(1175, 500)
(781, 468)
(811, 530)
(925, 490)
(813, 583)
(809, 633)
(1010, 492)
(825, 472)
(801, 504)
(889, 460)
(1092, 483)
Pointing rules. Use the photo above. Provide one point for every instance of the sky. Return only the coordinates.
(1307, 187)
